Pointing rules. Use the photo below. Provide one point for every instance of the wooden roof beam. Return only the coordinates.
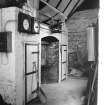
(54, 9)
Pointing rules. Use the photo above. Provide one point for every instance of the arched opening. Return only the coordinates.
(49, 59)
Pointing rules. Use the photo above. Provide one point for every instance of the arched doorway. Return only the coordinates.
(49, 59)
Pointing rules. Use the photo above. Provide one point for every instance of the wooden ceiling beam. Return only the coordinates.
(75, 7)
(54, 9)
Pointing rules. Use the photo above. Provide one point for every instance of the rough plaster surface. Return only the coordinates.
(7, 72)
(8, 91)
(11, 92)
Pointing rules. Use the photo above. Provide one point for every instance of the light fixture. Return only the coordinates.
(91, 43)
(56, 26)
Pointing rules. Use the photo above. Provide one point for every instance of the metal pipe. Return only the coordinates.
(54, 9)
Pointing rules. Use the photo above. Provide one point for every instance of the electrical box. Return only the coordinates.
(28, 24)
(35, 26)
(5, 41)
(24, 23)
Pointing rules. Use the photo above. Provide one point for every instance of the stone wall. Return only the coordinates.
(81, 20)
(77, 38)
(77, 48)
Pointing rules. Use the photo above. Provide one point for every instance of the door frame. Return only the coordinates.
(25, 72)
(63, 62)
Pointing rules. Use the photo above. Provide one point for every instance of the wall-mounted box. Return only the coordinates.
(24, 23)
(28, 24)
(35, 26)
(5, 41)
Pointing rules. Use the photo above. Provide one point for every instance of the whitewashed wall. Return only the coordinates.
(7, 60)
(12, 65)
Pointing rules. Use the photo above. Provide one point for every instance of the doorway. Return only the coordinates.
(49, 60)
(31, 71)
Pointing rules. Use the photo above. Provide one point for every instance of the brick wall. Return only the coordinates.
(77, 48)
(77, 38)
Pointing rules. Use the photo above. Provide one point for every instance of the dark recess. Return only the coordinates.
(49, 39)
(88, 4)
(42, 5)
(9, 3)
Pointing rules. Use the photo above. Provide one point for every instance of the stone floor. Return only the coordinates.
(68, 92)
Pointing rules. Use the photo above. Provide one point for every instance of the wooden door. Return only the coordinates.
(31, 71)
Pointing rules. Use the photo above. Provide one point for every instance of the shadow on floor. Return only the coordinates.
(35, 101)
